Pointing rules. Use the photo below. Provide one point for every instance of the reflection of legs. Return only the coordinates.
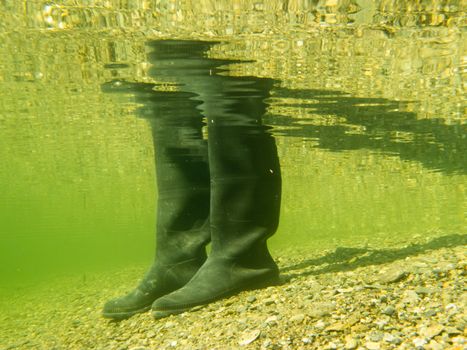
(245, 199)
(183, 203)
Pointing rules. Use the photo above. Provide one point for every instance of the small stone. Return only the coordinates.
(360, 328)
(434, 345)
(249, 337)
(298, 318)
(321, 309)
(353, 319)
(242, 309)
(320, 324)
(432, 331)
(430, 313)
(410, 297)
(444, 267)
(389, 310)
(376, 336)
(336, 327)
(268, 301)
(458, 340)
(370, 345)
(271, 320)
(306, 340)
(392, 339)
(151, 334)
(424, 290)
(332, 346)
(381, 323)
(419, 342)
(251, 299)
(452, 331)
(351, 344)
(391, 276)
(451, 308)
(170, 324)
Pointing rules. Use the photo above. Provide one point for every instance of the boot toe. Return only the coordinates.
(172, 304)
(127, 306)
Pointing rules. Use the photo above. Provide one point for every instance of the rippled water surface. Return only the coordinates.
(366, 104)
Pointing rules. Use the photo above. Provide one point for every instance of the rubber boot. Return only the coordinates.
(245, 192)
(182, 229)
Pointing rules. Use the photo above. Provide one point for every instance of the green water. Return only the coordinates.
(368, 112)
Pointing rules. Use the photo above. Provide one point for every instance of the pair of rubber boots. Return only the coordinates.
(224, 190)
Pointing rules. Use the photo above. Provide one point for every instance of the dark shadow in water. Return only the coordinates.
(382, 126)
(347, 259)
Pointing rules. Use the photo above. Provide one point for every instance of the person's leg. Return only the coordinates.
(183, 198)
(245, 195)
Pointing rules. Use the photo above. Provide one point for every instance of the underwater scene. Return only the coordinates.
(242, 174)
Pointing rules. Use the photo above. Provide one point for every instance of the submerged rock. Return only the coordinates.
(389, 310)
(391, 276)
(249, 337)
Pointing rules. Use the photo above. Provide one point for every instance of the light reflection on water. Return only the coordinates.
(369, 120)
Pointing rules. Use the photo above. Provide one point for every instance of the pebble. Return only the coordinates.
(271, 320)
(336, 327)
(430, 313)
(389, 310)
(444, 267)
(242, 309)
(170, 324)
(376, 336)
(391, 276)
(425, 290)
(452, 331)
(392, 339)
(320, 324)
(351, 344)
(151, 334)
(249, 337)
(251, 299)
(410, 297)
(298, 318)
(321, 309)
(458, 340)
(431, 331)
(370, 345)
(451, 308)
(434, 345)
(419, 342)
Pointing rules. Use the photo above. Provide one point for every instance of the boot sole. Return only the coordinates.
(158, 314)
(118, 316)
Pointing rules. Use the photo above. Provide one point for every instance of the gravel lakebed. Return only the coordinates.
(413, 297)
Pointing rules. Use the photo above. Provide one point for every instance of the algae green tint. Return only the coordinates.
(365, 103)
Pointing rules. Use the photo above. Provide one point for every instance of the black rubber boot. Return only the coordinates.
(245, 192)
(183, 197)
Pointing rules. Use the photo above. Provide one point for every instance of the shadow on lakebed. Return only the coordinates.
(347, 259)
